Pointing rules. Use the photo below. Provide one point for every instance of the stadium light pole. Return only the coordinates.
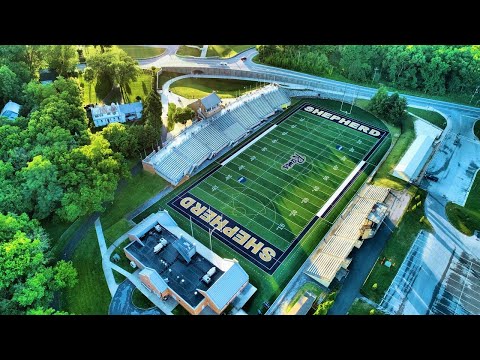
(476, 91)
(191, 225)
(343, 99)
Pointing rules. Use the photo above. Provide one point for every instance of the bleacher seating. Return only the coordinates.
(174, 167)
(192, 148)
(213, 138)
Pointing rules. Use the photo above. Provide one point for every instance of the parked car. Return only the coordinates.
(431, 177)
(243, 58)
(223, 63)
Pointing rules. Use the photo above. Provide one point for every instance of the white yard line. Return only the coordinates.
(340, 189)
(247, 146)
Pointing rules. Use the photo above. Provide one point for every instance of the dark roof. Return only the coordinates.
(48, 75)
(183, 278)
(210, 101)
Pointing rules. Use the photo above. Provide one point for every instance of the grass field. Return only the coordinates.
(165, 76)
(140, 300)
(139, 87)
(397, 247)
(191, 88)
(360, 307)
(276, 203)
(431, 116)
(141, 52)
(467, 218)
(226, 51)
(476, 129)
(90, 295)
(319, 147)
(188, 51)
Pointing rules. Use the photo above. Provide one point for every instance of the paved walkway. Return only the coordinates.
(111, 283)
(204, 51)
(122, 303)
(148, 203)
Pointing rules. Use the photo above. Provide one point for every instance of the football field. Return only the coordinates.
(263, 198)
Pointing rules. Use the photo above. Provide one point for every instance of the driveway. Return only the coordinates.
(121, 303)
(455, 164)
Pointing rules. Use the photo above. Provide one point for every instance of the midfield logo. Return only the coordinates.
(294, 159)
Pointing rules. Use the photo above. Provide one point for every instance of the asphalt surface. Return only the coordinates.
(362, 262)
(121, 303)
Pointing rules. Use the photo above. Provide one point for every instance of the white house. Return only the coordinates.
(106, 114)
(10, 110)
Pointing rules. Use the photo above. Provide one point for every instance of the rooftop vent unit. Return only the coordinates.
(212, 271)
(206, 279)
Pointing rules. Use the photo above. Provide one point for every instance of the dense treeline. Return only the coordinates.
(52, 166)
(432, 69)
(28, 278)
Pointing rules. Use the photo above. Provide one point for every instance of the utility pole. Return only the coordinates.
(475, 93)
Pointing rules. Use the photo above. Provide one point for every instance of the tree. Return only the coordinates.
(27, 281)
(9, 85)
(114, 65)
(40, 187)
(371, 312)
(89, 175)
(62, 58)
(47, 311)
(33, 58)
(390, 108)
(152, 113)
(374, 286)
(121, 139)
(171, 116)
(182, 115)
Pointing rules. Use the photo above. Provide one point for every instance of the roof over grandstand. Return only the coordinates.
(211, 101)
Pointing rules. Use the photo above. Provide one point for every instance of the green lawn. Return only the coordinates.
(91, 295)
(467, 219)
(269, 286)
(140, 300)
(60, 233)
(116, 230)
(360, 307)
(397, 247)
(140, 87)
(165, 76)
(476, 129)
(188, 51)
(226, 51)
(311, 287)
(431, 116)
(141, 52)
(180, 310)
(192, 88)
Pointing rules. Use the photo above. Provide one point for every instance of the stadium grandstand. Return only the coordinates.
(361, 222)
(176, 161)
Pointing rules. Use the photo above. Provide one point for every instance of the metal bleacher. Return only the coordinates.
(213, 138)
(193, 147)
(194, 150)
